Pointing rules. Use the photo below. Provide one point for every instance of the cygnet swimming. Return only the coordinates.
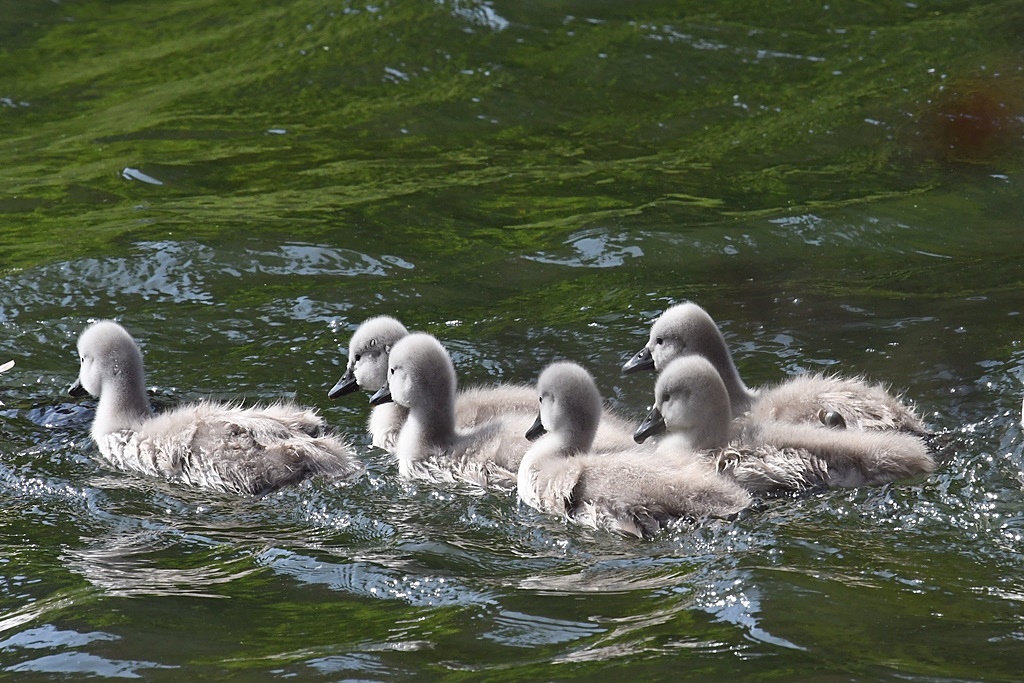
(208, 445)
(687, 329)
(692, 403)
(430, 446)
(627, 491)
(367, 369)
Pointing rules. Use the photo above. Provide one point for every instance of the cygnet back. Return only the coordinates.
(851, 403)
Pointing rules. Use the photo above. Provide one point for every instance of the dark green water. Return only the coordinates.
(241, 183)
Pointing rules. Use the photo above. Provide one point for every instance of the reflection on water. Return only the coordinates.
(525, 630)
(71, 662)
(128, 565)
(593, 249)
(22, 651)
(177, 272)
(313, 259)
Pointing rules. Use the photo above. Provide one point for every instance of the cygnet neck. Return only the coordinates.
(123, 403)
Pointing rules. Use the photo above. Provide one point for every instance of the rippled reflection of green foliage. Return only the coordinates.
(315, 116)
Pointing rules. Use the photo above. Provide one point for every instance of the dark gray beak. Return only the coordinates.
(641, 361)
(653, 424)
(382, 396)
(536, 431)
(346, 385)
(76, 389)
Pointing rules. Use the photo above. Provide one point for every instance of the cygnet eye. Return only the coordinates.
(659, 340)
(357, 357)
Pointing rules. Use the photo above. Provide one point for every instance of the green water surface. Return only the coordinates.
(241, 183)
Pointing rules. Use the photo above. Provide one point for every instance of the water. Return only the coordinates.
(242, 184)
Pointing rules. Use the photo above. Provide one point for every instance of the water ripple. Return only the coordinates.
(128, 563)
(591, 249)
(370, 580)
(85, 663)
(312, 259)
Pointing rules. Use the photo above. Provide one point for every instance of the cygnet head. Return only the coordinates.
(681, 330)
(420, 374)
(690, 401)
(110, 358)
(368, 351)
(570, 405)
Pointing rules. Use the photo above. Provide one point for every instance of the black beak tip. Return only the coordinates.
(76, 390)
(382, 396)
(653, 424)
(536, 431)
(346, 385)
(643, 360)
